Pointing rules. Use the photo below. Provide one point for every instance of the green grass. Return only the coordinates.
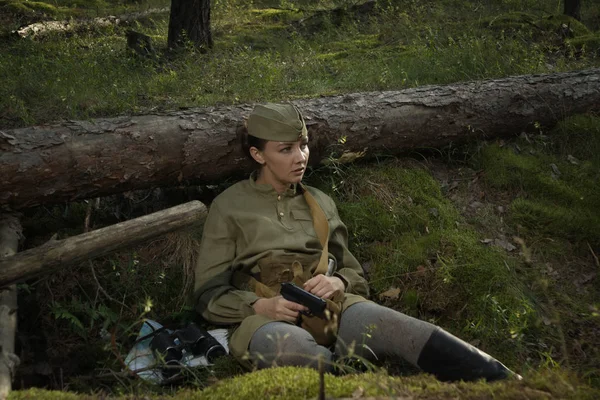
(263, 54)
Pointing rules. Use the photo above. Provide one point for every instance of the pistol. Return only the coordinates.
(315, 304)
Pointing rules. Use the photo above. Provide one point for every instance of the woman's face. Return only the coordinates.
(283, 163)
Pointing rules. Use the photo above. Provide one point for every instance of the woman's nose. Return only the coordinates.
(300, 155)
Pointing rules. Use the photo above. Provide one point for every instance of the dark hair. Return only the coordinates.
(248, 141)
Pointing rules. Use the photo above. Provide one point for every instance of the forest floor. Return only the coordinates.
(496, 241)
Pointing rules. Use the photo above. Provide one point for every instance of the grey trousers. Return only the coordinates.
(366, 329)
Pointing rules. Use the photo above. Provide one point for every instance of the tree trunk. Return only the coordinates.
(573, 9)
(190, 20)
(86, 159)
(10, 232)
(71, 251)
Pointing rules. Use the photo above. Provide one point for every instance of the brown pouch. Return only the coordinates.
(273, 272)
(325, 329)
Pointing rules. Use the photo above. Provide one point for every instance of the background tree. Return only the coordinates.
(190, 21)
(573, 9)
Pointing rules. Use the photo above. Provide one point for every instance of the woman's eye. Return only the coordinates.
(304, 146)
(285, 149)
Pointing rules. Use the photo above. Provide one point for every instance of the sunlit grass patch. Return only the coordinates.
(277, 15)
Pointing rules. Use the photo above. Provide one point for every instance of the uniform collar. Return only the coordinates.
(293, 190)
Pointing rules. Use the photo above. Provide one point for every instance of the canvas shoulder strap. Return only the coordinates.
(321, 228)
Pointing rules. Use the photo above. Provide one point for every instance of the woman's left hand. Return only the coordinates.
(324, 286)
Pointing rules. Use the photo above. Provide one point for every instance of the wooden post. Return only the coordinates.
(10, 231)
(67, 252)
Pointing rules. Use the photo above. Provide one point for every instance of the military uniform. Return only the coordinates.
(250, 224)
(255, 237)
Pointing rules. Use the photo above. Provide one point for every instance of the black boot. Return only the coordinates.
(451, 359)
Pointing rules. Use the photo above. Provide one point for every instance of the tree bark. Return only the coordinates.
(573, 9)
(87, 159)
(190, 20)
(10, 232)
(71, 251)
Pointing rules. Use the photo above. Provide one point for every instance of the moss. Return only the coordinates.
(290, 382)
(277, 15)
(29, 8)
(539, 27)
(43, 7)
(573, 223)
(506, 169)
(336, 55)
(554, 23)
(19, 9)
(303, 383)
(40, 394)
(362, 42)
(268, 37)
(556, 196)
(579, 136)
(512, 20)
(589, 43)
(286, 383)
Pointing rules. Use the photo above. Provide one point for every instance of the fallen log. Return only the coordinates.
(63, 253)
(38, 29)
(85, 159)
(10, 232)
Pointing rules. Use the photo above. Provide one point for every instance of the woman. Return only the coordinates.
(272, 229)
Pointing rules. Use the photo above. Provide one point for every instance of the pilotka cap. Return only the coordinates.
(277, 122)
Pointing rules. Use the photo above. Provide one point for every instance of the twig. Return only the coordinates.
(88, 217)
(113, 347)
(144, 199)
(108, 296)
(128, 373)
(88, 213)
(594, 255)
(321, 378)
(49, 290)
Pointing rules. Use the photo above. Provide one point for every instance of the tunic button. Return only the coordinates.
(278, 197)
(281, 214)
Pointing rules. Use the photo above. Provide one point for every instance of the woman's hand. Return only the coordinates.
(278, 308)
(324, 286)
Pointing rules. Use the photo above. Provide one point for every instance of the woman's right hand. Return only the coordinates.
(278, 308)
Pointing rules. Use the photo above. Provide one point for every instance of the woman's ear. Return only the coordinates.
(257, 155)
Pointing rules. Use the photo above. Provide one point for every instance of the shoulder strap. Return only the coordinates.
(321, 227)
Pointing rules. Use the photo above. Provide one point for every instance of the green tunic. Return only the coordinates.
(248, 224)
